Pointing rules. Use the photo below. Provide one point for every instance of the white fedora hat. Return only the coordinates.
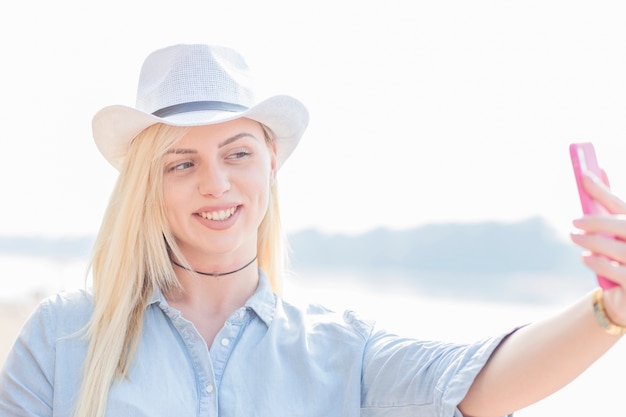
(195, 85)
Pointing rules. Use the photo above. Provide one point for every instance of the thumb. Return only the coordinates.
(605, 178)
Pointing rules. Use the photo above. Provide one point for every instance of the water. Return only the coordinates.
(598, 391)
(27, 277)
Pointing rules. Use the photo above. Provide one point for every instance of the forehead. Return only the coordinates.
(220, 132)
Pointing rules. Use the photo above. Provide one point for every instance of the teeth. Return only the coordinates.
(218, 215)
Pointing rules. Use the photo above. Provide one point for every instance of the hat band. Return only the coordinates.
(198, 106)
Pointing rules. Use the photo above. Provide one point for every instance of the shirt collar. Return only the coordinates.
(262, 302)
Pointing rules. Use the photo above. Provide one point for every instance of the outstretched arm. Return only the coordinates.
(541, 358)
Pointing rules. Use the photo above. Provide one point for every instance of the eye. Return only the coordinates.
(240, 154)
(180, 166)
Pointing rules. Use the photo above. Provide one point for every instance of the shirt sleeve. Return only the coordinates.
(26, 380)
(408, 377)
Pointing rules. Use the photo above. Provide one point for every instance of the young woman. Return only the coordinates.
(185, 316)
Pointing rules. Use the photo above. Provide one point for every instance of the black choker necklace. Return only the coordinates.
(214, 274)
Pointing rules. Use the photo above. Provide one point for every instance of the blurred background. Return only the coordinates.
(434, 176)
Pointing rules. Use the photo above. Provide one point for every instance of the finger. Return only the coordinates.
(602, 245)
(614, 226)
(611, 269)
(602, 194)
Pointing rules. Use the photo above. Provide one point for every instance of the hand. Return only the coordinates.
(604, 238)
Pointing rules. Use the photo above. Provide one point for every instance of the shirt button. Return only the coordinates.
(209, 388)
(225, 342)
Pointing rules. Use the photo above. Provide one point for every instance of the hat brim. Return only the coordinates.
(114, 127)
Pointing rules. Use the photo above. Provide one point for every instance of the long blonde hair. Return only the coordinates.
(130, 260)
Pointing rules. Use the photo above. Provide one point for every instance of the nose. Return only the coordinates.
(213, 180)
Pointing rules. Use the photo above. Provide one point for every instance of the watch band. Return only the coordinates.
(599, 311)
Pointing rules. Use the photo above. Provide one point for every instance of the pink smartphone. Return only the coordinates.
(583, 156)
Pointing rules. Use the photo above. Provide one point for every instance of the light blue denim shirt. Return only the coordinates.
(270, 359)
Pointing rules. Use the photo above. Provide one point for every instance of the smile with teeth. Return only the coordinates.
(218, 215)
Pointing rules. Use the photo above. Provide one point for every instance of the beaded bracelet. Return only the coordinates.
(599, 311)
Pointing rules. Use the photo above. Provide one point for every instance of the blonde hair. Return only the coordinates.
(130, 261)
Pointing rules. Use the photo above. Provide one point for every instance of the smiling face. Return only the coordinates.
(216, 191)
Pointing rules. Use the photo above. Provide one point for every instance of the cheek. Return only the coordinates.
(171, 199)
(258, 187)
(167, 196)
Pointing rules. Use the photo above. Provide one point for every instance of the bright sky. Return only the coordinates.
(429, 111)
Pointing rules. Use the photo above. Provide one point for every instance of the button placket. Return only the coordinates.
(225, 342)
(203, 367)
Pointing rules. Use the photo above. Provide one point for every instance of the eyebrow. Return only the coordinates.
(180, 151)
(236, 137)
